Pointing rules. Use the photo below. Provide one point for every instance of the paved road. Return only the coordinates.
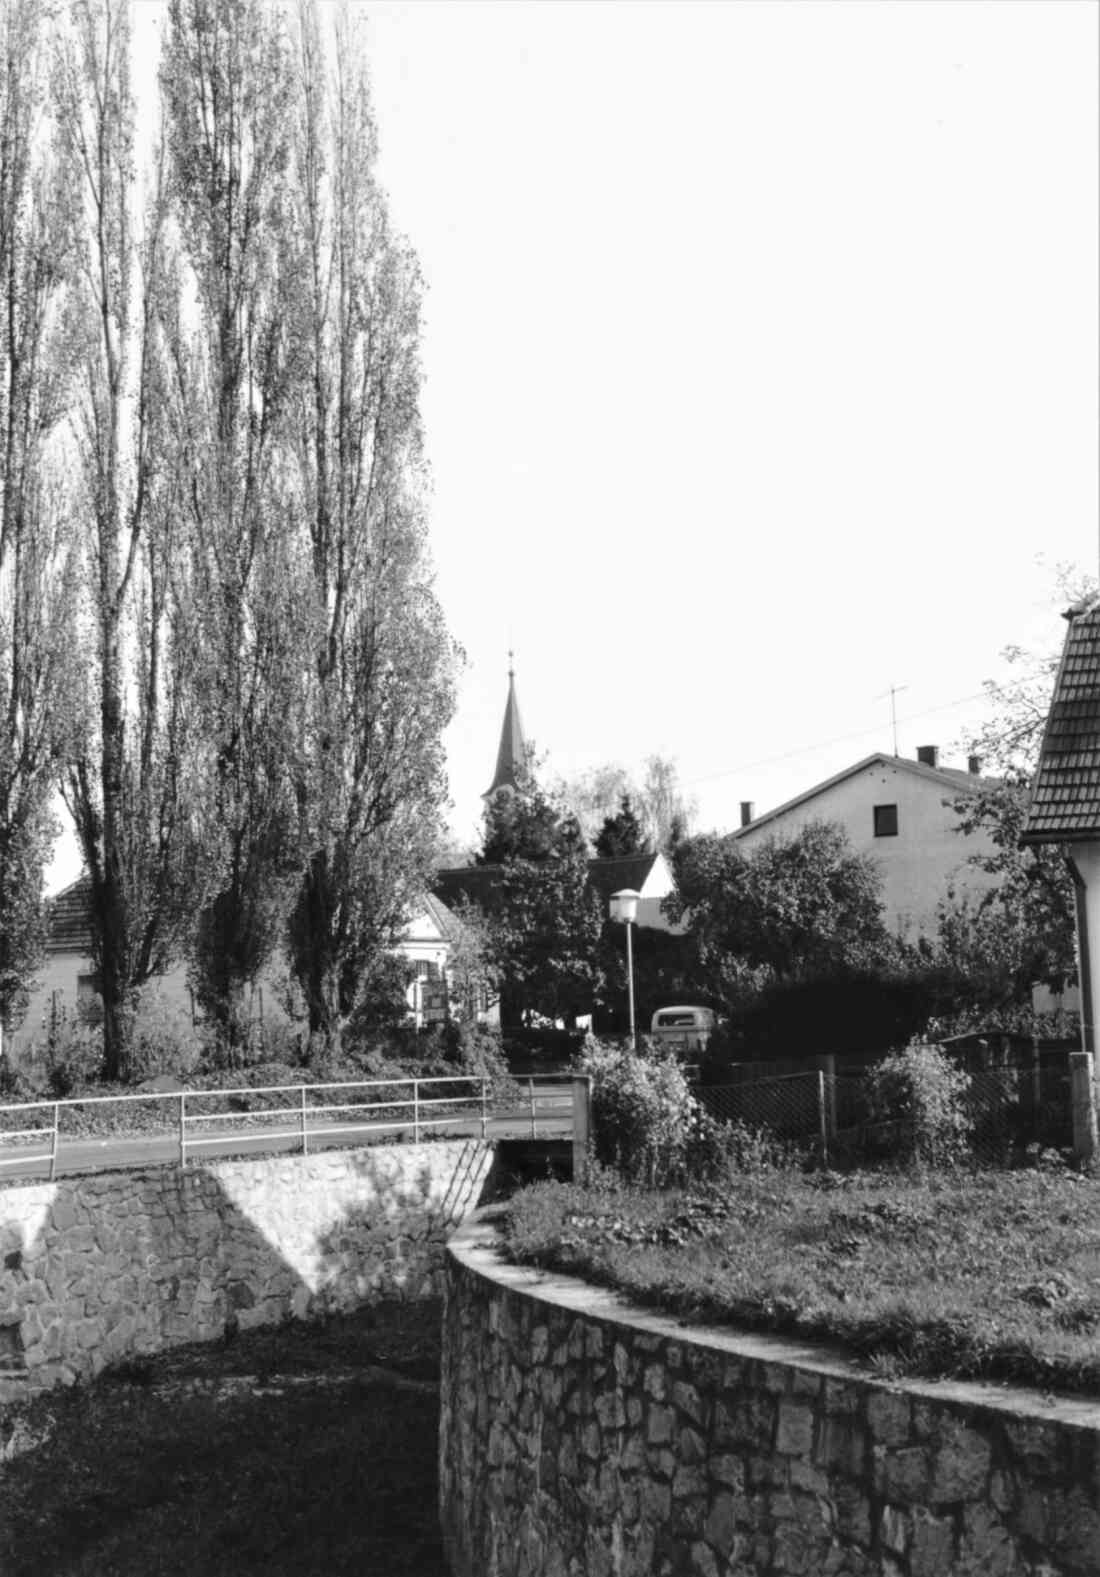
(553, 1119)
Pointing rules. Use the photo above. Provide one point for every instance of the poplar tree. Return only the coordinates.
(227, 88)
(36, 605)
(372, 774)
(123, 777)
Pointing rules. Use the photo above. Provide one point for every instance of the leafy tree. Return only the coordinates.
(229, 114)
(544, 919)
(371, 778)
(36, 602)
(658, 799)
(520, 825)
(124, 777)
(795, 906)
(621, 834)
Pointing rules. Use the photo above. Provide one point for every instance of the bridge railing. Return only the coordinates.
(181, 1125)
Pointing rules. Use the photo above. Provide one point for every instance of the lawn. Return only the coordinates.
(308, 1448)
(993, 1276)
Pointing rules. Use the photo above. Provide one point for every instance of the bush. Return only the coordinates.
(644, 1116)
(921, 1095)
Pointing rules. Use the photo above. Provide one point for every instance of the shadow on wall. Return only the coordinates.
(97, 1269)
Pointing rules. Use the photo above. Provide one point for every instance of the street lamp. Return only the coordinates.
(624, 908)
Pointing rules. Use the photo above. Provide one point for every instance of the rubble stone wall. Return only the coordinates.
(580, 1438)
(96, 1269)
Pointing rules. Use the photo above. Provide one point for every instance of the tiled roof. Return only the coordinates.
(70, 930)
(450, 927)
(611, 875)
(1065, 796)
(476, 883)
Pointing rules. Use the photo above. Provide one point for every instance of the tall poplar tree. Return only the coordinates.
(372, 775)
(228, 93)
(124, 779)
(36, 605)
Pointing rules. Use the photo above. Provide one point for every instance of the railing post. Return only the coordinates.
(183, 1128)
(1035, 1090)
(531, 1102)
(1083, 1095)
(582, 1103)
(302, 1118)
(484, 1108)
(53, 1147)
(416, 1111)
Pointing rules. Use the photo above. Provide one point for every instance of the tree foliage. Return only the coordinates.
(371, 775)
(802, 905)
(36, 601)
(665, 811)
(621, 833)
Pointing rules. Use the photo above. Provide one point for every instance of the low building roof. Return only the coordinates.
(1065, 793)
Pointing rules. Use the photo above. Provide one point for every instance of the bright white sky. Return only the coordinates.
(761, 344)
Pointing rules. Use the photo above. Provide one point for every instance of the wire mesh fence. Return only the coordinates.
(1007, 1112)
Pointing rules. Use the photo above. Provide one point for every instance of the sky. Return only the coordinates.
(762, 365)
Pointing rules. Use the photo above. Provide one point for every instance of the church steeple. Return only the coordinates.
(512, 754)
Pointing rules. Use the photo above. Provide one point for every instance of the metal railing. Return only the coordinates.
(39, 1132)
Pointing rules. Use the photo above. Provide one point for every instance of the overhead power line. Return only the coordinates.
(840, 739)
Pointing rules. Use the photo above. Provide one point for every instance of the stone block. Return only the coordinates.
(720, 1527)
(888, 1418)
(960, 1464)
(727, 1469)
(693, 1447)
(794, 1434)
(660, 1423)
(894, 1529)
(901, 1475)
(931, 1545)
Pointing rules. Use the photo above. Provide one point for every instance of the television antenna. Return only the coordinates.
(893, 692)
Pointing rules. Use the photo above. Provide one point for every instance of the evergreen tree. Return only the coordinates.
(622, 833)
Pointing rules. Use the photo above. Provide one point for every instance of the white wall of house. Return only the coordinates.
(919, 864)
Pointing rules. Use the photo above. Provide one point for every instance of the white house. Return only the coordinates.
(67, 977)
(902, 813)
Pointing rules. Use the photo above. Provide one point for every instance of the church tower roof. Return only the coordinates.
(512, 755)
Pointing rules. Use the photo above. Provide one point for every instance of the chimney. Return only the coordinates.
(928, 755)
(974, 766)
(747, 810)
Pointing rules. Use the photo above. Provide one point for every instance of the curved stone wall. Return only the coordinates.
(582, 1438)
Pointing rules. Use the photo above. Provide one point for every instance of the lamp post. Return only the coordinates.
(624, 908)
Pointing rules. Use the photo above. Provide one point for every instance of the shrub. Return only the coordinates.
(921, 1094)
(644, 1116)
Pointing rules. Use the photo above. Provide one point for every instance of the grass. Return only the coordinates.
(993, 1276)
(307, 1448)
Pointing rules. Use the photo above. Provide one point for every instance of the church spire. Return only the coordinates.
(512, 755)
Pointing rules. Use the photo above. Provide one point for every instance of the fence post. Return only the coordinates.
(301, 1110)
(1035, 1086)
(826, 1067)
(183, 1129)
(822, 1117)
(53, 1147)
(416, 1111)
(1083, 1097)
(582, 1113)
(484, 1108)
(531, 1102)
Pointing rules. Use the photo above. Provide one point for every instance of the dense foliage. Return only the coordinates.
(218, 629)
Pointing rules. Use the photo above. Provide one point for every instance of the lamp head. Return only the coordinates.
(624, 905)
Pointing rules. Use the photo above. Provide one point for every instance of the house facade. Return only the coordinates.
(902, 813)
(67, 979)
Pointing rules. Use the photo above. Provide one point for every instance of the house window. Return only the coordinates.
(886, 821)
(87, 988)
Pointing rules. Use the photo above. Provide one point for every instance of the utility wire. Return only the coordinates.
(840, 739)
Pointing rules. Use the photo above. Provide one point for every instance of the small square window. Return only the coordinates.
(886, 821)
